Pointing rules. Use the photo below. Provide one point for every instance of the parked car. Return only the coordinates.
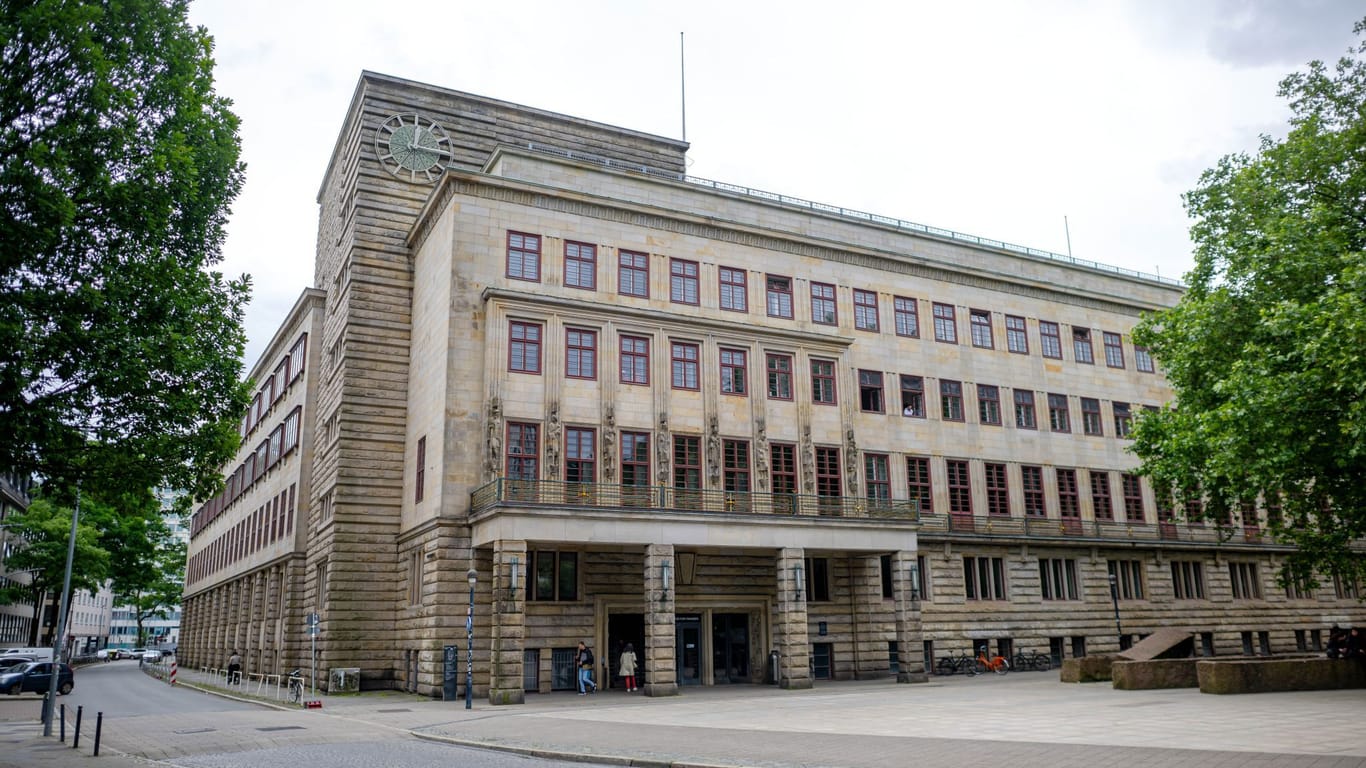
(135, 653)
(35, 677)
(13, 660)
(152, 655)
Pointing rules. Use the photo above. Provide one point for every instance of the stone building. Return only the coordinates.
(757, 437)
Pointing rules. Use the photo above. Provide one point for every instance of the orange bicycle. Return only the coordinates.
(997, 663)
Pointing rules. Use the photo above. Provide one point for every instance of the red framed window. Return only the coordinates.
(580, 265)
(580, 455)
(783, 467)
(581, 353)
(1114, 349)
(687, 462)
(989, 404)
(1100, 496)
(734, 289)
(1017, 338)
(980, 322)
(421, 475)
(1133, 498)
(960, 487)
(998, 490)
(906, 316)
(524, 257)
(523, 451)
(913, 396)
(635, 458)
(1058, 419)
(683, 364)
(951, 400)
(945, 326)
(828, 472)
(870, 394)
(823, 309)
(778, 296)
(734, 371)
(1124, 419)
(735, 461)
(865, 310)
(918, 482)
(635, 360)
(823, 382)
(1049, 339)
(1024, 409)
(683, 281)
(633, 274)
(524, 349)
(1143, 360)
(1090, 416)
(1031, 478)
(1081, 345)
(779, 376)
(877, 477)
(1068, 504)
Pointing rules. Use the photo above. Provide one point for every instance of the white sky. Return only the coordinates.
(991, 118)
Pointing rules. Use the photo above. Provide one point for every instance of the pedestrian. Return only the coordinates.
(627, 667)
(1337, 642)
(1356, 645)
(585, 661)
(234, 668)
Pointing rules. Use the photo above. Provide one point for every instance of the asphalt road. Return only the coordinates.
(119, 689)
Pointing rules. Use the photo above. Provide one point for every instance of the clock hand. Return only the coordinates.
(414, 142)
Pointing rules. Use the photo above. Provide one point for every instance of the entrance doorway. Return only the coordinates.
(688, 649)
(623, 628)
(730, 648)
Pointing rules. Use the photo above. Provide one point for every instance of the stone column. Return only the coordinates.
(507, 639)
(794, 648)
(909, 640)
(661, 675)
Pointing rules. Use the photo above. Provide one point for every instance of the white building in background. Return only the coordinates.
(89, 621)
(16, 619)
(161, 632)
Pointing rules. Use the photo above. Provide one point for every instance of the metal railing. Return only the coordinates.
(505, 492)
(1103, 530)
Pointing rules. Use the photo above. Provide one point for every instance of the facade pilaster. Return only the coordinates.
(790, 632)
(506, 684)
(661, 674)
(909, 638)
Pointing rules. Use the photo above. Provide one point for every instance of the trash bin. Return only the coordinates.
(772, 668)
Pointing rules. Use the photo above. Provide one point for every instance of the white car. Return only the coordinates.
(151, 655)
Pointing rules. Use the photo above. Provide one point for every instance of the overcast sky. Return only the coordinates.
(996, 119)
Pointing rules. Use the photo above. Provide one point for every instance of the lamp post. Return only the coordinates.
(473, 576)
(1114, 597)
(60, 638)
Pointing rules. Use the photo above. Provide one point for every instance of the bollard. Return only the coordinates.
(63, 717)
(173, 671)
(76, 736)
(99, 721)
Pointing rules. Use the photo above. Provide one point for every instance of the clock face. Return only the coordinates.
(412, 147)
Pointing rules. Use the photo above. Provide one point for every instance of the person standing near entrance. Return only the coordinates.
(585, 661)
(627, 667)
(234, 668)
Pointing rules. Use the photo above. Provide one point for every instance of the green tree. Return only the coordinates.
(119, 346)
(43, 532)
(1267, 349)
(146, 562)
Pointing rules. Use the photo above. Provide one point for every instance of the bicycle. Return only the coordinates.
(1033, 660)
(996, 663)
(296, 687)
(952, 665)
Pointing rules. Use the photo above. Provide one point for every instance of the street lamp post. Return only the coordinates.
(473, 576)
(1114, 597)
(49, 702)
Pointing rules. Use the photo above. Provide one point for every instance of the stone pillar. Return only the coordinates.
(909, 640)
(661, 675)
(509, 621)
(794, 648)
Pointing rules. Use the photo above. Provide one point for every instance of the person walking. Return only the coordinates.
(234, 668)
(585, 662)
(627, 667)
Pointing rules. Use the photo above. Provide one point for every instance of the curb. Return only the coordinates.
(573, 757)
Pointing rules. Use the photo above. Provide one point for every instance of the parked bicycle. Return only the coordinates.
(1026, 660)
(952, 665)
(995, 663)
(296, 687)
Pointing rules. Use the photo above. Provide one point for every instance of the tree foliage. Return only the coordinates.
(43, 532)
(1266, 351)
(119, 346)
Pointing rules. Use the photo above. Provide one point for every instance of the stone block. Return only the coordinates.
(1279, 674)
(1088, 669)
(1153, 674)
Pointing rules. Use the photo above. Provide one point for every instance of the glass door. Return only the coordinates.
(688, 649)
(730, 648)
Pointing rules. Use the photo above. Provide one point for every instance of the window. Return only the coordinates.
(580, 455)
(635, 458)
(918, 483)
(1058, 578)
(945, 329)
(633, 274)
(877, 477)
(817, 579)
(1188, 580)
(415, 578)
(1081, 345)
(524, 257)
(865, 310)
(885, 572)
(1068, 504)
(1128, 576)
(581, 353)
(524, 353)
(1032, 479)
(913, 396)
(733, 371)
(734, 290)
(684, 365)
(296, 358)
(980, 322)
(292, 429)
(951, 400)
(989, 404)
(580, 265)
(906, 316)
(783, 464)
(556, 575)
(823, 382)
(1243, 578)
(1114, 349)
(1298, 590)
(870, 391)
(1017, 339)
(823, 304)
(997, 489)
(735, 458)
(984, 578)
(523, 451)
(1058, 420)
(1345, 587)
(960, 487)
(779, 296)
(1100, 496)
(1143, 359)
(421, 464)
(1124, 420)
(688, 464)
(828, 472)
(635, 360)
(683, 281)
(1133, 497)
(1090, 416)
(1049, 339)
(1024, 409)
(779, 376)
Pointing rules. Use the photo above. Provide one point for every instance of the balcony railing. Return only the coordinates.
(505, 492)
(1076, 528)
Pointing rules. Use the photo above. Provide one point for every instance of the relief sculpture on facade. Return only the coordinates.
(552, 441)
(808, 461)
(662, 450)
(609, 443)
(494, 458)
(714, 451)
(850, 462)
(761, 454)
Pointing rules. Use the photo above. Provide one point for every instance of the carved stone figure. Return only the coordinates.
(609, 445)
(808, 461)
(714, 451)
(662, 450)
(851, 462)
(493, 461)
(552, 442)
(761, 454)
